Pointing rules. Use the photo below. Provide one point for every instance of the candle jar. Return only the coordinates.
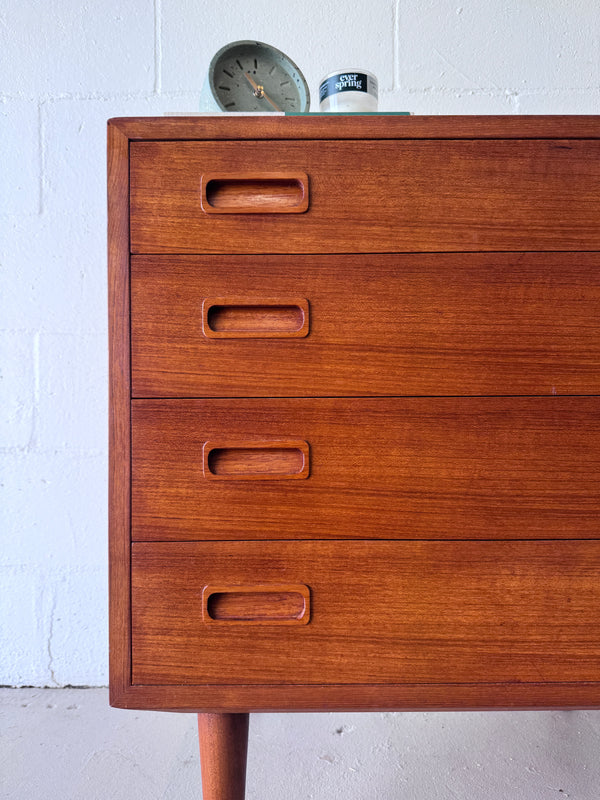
(350, 91)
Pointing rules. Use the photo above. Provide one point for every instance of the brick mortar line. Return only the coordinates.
(151, 94)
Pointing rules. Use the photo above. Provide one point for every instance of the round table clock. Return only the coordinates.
(254, 76)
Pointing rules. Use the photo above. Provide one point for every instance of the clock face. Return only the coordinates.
(253, 76)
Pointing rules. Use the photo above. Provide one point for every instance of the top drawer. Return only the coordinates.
(364, 196)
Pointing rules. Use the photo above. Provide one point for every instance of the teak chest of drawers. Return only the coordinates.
(355, 417)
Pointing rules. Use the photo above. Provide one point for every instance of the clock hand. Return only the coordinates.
(259, 91)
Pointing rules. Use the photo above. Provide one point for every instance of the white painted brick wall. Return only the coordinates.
(65, 67)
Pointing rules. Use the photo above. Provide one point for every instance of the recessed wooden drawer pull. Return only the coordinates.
(262, 318)
(251, 461)
(268, 604)
(254, 193)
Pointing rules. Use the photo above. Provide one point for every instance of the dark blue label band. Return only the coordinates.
(347, 82)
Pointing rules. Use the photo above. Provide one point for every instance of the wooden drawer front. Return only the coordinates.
(526, 323)
(368, 196)
(380, 612)
(389, 468)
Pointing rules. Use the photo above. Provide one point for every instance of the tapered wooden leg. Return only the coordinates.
(223, 750)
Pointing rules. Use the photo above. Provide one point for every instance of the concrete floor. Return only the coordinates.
(67, 743)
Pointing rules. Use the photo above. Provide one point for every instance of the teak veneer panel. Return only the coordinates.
(381, 612)
(413, 271)
(375, 196)
(352, 126)
(379, 468)
(241, 698)
(454, 324)
(119, 472)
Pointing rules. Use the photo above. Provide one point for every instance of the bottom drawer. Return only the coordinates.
(377, 612)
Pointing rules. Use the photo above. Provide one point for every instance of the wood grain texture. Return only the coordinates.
(379, 196)
(256, 604)
(223, 748)
(256, 459)
(498, 323)
(492, 471)
(254, 193)
(255, 318)
(381, 612)
(379, 468)
(340, 126)
(119, 412)
(363, 697)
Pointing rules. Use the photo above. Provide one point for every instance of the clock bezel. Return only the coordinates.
(289, 65)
